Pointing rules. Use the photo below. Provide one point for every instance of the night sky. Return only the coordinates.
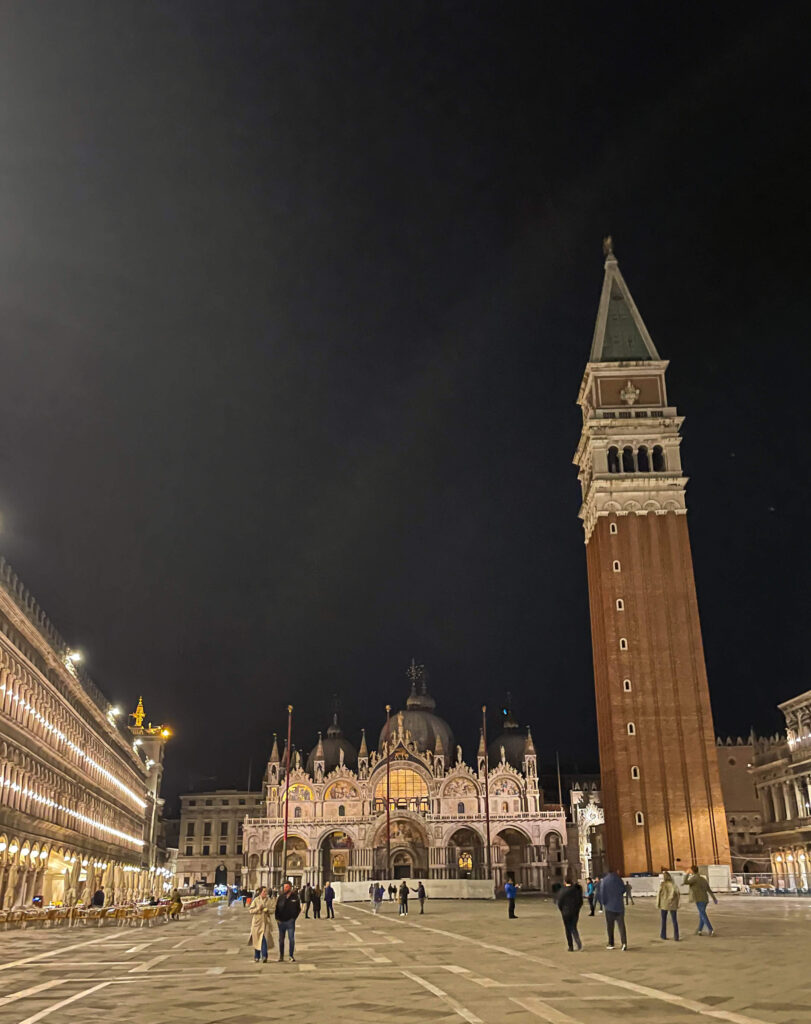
(295, 299)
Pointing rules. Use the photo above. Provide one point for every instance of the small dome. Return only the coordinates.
(512, 739)
(331, 747)
(418, 717)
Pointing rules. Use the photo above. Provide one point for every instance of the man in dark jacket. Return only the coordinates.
(288, 908)
(611, 895)
(307, 898)
(98, 897)
(569, 901)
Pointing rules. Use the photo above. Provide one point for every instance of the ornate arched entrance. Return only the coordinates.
(465, 854)
(335, 854)
(512, 857)
(409, 850)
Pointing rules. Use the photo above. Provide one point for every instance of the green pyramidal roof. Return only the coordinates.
(620, 334)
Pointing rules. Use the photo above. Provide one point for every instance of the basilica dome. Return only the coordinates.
(418, 718)
(512, 739)
(329, 749)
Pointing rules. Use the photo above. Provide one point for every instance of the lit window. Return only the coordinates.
(405, 784)
(631, 729)
(626, 685)
(634, 772)
(620, 605)
(640, 818)
(612, 528)
(623, 644)
(617, 567)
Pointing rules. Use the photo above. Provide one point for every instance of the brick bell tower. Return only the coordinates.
(660, 782)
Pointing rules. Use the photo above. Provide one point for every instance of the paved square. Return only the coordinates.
(460, 961)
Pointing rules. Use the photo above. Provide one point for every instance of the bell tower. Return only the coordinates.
(660, 782)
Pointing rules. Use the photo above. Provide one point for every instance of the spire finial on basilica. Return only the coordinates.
(364, 750)
(274, 753)
(608, 248)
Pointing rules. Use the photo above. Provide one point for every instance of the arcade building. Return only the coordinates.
(436, 828)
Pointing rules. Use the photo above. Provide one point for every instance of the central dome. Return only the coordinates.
(418, 717)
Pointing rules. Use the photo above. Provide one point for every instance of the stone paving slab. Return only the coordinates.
(458, 962)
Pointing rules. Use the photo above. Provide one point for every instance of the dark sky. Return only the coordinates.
(295, 299)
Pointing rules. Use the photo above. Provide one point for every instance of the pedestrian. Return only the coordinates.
(307, 898)
(509, 892)
(610, 893)
(700, 894)
(402, 899)
(629, 896)
(288, 908)
(392, 891)
(261, 928)
(329, 896)
(590, 895)
(315, 899)
(420, 891)
(98, 896)
(597, 899)
(377, 899)
(569, 901)
(667, 901)
(175, 905)
(372, 891)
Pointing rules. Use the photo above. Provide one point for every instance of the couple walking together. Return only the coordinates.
(287, 909)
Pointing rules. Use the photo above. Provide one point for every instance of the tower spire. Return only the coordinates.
(620, 334)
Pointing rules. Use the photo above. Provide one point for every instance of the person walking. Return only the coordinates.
(590, 895)
(372, 891)
(261, 929)
(597, 899)
(288, 908)
(315, 897)
(307, 898)
(610, 893)
(402, 898)
(667, 900)
(377, 898)
(509, 892)
(329, 896)
(569, 901)
(629, 894)
(392, 891)
(700, 894)
(175, 905)
(420, 891)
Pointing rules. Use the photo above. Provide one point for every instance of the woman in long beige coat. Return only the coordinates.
(261, 925)
(667, 901)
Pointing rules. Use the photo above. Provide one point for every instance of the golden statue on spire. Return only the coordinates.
(139, 714)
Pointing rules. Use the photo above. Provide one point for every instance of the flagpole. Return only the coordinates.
(388, 790)
(286, 793)
(486, 789)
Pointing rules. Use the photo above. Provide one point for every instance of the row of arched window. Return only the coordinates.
(643, 460)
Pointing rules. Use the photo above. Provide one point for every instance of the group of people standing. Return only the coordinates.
(311, 896)
(612, 894)
(377, 894)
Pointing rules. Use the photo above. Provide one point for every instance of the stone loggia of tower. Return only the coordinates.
(661, 787)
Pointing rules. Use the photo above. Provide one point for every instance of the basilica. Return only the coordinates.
(437, 821)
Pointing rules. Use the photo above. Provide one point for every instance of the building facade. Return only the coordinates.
(436, 826)
(742, 804)
(660, 784)
(210, 839)
(781, 772)
(79, 796)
